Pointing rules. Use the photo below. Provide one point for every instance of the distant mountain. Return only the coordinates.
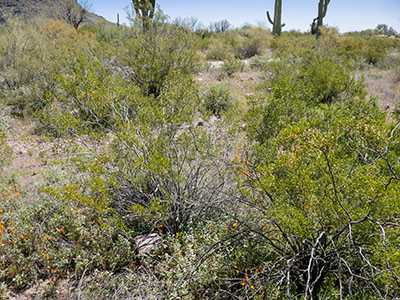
(34, 8)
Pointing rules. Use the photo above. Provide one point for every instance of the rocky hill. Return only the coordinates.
(34, 8)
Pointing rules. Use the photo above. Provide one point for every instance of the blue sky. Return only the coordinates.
(347, 15)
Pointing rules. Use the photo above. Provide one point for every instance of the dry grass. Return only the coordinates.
(384, 85)
(240, 85)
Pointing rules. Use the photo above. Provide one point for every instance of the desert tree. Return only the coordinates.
(220, 26)
(74, 12)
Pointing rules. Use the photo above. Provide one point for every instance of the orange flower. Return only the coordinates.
(243, 283)
(61, 229)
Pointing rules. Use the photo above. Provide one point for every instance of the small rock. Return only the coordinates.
(148, 242)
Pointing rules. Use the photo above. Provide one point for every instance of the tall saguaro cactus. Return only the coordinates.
(277, 23)
(318, 21)
(144, 10)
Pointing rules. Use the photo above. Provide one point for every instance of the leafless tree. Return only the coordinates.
(220, 26)
(74, 12)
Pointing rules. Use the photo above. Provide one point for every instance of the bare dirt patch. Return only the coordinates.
(27, 150)
(384, 85)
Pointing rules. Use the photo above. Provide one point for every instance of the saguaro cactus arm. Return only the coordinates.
(272, 22)
(269, 18)
(318, 21)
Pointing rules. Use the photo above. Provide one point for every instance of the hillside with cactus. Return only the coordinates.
(164, 160)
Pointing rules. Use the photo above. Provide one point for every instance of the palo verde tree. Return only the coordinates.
(277, 22)
(144, 11)
(318, 21)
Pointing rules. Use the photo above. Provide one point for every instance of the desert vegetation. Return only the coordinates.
(262, 165)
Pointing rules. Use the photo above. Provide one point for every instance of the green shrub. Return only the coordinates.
(260, 62)
(30, 52)
(296, 89)
(375, 50)
(156, 169)
(218, 49)
(218, 100)
(321, 176)
(250, 41)
(153, 54)
(231, 66)
(322, 205)
(88, 98)
(45, 232)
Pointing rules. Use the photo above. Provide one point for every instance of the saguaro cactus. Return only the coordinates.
(318, 21)
(144, 10)
(277, 23)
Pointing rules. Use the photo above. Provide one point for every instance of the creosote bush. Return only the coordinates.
(321, 179)
(218, 100)
(30, 53)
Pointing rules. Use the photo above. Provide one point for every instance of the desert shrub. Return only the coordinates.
(320, 177)
(64, 37)
(260, 62)
(153, 54)
(30, 52)
(46, 232)
(390, 61)
(155, 167)
(231, 66)
(322, 207)
(218, 49)
(385, 29)
(23, 60)
(250, 41)
(164, 173)
(88, 98)
(374, 50)
(218, 100)
(292, 44)
(105, 32)
(304, 84)
(22, 53)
